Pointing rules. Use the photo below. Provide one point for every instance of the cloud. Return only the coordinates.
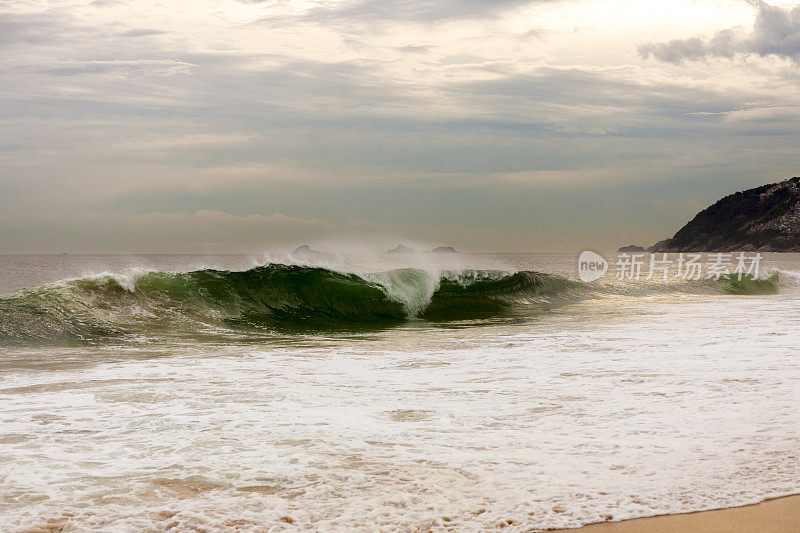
(26, 28)
(446, 112)
(119, 67)
(576, 103)
(142, 32)
(776, 32)
(219, 230)
(421, 11)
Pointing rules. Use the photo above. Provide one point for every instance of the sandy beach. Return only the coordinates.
(781, 515)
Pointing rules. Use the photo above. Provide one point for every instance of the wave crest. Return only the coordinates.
(140, 302)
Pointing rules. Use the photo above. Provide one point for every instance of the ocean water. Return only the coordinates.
(386, 393)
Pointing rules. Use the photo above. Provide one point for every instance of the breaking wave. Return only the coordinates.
(147, 303)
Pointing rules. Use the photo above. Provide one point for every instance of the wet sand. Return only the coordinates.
(781, 515)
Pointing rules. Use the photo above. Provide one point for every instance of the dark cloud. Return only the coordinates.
(141, 32)
(125, 68)
(421, 11)
(580, 103)
(28, 28)
(776, 32)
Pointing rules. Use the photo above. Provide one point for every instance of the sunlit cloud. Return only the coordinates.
(776, 32)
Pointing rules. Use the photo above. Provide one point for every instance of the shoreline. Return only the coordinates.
(776, 515)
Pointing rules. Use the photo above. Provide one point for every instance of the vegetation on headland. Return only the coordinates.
(764, 219)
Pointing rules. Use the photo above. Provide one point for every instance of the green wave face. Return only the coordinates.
(749, 284)
(263, 298)
(481, 294)
(153, 303)
(202, 300)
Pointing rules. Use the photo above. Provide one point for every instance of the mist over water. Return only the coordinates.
(431, 392)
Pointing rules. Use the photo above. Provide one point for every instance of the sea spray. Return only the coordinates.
(410, 286)
(126, 278)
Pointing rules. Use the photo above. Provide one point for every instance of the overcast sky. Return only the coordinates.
(502, 125)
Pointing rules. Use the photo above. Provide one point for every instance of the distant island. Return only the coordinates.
(401, 249)
(764, 219)
(632, 248)
(445, 250)
(304, 249)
